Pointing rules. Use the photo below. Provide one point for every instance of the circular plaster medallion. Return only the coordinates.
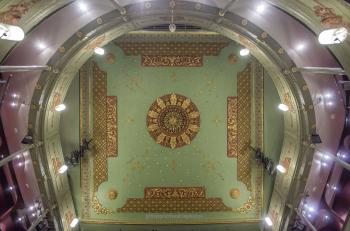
(232, 59)
(173, 120)
(110, 58)
(112, 194)
(235, 193)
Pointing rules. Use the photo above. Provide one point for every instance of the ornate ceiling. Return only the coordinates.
(150, 170)
(74, 34)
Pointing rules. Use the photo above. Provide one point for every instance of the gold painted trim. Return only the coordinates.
(180, 222)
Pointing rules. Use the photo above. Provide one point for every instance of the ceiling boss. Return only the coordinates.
(173, 120)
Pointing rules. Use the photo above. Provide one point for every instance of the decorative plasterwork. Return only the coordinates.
(100, 126)
(112, 146)
(174, 192)
(328, 17)
(282, 83)
(171, 61)
(244, 127)
(258, 135)
(172, 200)
(173, 120)
(172, 48)
(166, 36)
(98, 207)
(84, 132)
(232, 138)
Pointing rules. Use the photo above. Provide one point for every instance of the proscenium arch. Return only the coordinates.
(66, 65)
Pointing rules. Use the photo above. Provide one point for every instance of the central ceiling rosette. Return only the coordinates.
(173, 120)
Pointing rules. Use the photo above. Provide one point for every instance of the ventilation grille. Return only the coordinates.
(179, 27)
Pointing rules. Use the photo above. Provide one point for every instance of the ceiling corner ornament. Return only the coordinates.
(235, 193)
(98, 207)
(173, 120)
(112, 194)
(232, 59)
(171, 61)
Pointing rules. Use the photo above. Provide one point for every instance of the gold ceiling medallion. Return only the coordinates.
(173, 120)
(112, 194)
(235, 193)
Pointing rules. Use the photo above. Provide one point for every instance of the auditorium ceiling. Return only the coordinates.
(172, 117)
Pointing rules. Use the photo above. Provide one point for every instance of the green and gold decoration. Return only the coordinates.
(173, 120)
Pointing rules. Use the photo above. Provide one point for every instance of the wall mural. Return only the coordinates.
(188, 172)
(173, 120)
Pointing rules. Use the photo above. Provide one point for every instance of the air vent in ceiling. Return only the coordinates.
(179, 27)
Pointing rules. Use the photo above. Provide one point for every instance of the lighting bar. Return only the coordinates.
(333, 36)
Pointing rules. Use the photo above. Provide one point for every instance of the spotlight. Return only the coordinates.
(283, 107)
(62, 169)
(172, 27)
(82, 6)
(268, 221)
(60, 107)
(261, 8)
(74, 222)
(99, 51)
(41, 45)
(244, 52)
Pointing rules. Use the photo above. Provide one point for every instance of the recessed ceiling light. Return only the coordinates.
(283, 107)
(82, 6)
(300, 47)
(41, 45)
(74, 222)
(261, 8)
(60, 107)
(244, 52)
(268, 221)
(62, 169)
(281, 169)
(99, 51)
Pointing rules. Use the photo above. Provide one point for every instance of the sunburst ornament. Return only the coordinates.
(173, 120)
